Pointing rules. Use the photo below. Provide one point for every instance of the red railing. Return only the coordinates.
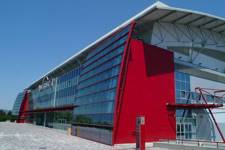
(202, 92)
(202, 102)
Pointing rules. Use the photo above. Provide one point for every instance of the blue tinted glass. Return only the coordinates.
(98, 81)
(182, 81)
(60, 92)
(91, 87)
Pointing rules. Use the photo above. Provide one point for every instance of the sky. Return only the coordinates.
(36, 36)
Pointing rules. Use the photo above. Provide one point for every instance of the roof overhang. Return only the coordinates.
(165, 13)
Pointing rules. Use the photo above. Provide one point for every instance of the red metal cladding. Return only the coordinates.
(143, 137)
(121, 80)
(23, 108)
(149, 85)
(53, 109)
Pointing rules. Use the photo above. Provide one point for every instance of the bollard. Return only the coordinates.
(69, 131)
(140, 133)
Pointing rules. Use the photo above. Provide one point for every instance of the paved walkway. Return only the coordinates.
(29, 137)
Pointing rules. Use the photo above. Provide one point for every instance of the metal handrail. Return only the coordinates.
(192, 97)
(199, 143)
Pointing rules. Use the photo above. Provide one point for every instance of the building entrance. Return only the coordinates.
(185, 130)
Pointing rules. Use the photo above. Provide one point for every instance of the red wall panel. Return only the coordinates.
(24, 107)
(149, 86)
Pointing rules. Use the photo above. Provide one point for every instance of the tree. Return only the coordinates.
(7, 116)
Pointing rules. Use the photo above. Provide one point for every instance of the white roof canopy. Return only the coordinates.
(164, 13)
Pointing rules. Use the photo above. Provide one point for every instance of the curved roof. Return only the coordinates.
(157, 12)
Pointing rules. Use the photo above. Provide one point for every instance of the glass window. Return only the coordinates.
(98, 82)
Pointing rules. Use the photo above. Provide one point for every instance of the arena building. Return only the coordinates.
(165, 63)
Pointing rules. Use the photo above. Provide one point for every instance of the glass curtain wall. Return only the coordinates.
(58, 92)
(66, 88)
(91, 87)
(43, 96)
(58, 120)
(17, 104)
(93, 118)
(186, 124)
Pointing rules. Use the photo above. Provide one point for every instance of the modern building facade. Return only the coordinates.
(165, 63)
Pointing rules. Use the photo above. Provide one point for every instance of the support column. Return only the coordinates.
(44, 119)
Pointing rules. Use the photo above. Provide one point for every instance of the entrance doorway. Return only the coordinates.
(184, 130)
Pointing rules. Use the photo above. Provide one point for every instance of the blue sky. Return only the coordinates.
(35, 36)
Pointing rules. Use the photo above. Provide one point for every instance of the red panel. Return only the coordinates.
(121, 81)
(24, 106)
(149, 86)
(53, 109)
